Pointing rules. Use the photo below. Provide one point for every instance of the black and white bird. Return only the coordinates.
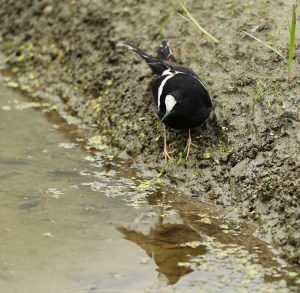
(180, 97)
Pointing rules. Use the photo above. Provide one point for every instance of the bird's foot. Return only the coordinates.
(166, 152)
(167, 155)
(189, 144)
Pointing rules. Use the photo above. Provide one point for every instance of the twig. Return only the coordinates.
(264, 43)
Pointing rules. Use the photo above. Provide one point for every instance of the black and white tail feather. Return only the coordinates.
(164, 52)
(163, 61)
(157, 64)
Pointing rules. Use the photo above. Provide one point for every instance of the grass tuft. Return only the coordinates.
(292, 42)
(190, 18)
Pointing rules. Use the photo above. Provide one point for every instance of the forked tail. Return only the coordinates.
(156, 64)
(165, 53)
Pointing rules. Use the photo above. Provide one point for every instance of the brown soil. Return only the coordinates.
(248, 155)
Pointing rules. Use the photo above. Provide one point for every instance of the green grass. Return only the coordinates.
(190, 18)
(292, 42)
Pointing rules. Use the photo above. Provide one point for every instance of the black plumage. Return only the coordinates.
(180, 97)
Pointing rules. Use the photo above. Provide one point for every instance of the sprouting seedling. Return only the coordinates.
(265, 44)
(190, 18)
(292, 42)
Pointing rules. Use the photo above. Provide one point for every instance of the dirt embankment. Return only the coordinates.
(248, 157)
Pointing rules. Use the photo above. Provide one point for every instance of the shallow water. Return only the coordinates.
(76, 221)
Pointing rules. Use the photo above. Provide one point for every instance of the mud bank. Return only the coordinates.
(248, 156)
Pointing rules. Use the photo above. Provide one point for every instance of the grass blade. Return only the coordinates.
(265, 44)
(292, 43)
(189, 17)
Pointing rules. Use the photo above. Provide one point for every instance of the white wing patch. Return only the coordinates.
(170, 103)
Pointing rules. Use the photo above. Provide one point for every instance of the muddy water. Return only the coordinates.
(75, 221)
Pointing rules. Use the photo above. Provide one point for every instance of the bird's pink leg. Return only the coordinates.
(166, 153)
(188, 145)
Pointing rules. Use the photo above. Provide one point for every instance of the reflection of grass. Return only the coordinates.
(265, 44)
(292, 42)
(190, 18)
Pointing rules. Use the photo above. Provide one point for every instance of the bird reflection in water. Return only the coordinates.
(170, 244)
(167, 244)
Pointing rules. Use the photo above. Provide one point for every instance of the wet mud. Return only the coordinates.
(247, 160)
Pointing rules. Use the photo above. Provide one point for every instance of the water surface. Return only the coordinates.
(75, 221)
